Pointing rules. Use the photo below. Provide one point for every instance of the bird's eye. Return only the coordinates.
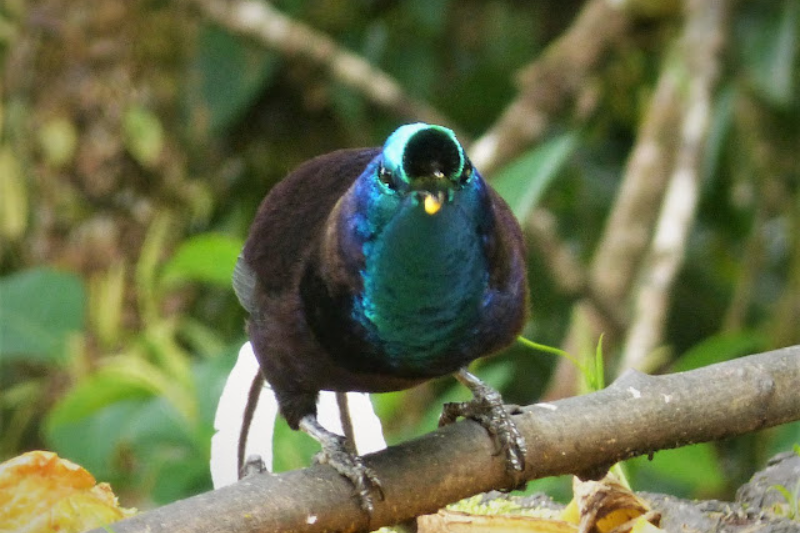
(385, 177)
(466, 174)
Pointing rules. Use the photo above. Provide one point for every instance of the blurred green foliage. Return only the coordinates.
(124, 200)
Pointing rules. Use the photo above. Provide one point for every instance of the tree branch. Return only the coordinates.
(272, 29)
(627, 235)
(550, 83)
(637, 415)
(699, 65)
(548, 86)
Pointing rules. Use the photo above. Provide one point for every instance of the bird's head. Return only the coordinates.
(423, 163)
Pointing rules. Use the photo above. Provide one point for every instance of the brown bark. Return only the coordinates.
(669, 145)
(702, 43)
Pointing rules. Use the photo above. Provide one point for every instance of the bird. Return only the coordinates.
(375, 270)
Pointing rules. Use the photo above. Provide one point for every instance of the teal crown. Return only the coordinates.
(419, 150)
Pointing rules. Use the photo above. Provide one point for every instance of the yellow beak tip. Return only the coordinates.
(432, 205)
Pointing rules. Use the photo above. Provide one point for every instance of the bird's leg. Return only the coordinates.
(346, 421)
(487, 408)
(335, 453)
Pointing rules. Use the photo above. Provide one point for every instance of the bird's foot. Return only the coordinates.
(253, 465)
(336, 454)
(353, 468)
(487, 409)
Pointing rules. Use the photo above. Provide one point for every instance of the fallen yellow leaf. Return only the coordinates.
(42, 493)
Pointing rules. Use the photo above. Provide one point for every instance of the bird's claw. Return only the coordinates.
(488, 410)
(334, 453)
(253, 465)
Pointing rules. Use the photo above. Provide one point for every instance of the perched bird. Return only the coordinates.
(376, 269)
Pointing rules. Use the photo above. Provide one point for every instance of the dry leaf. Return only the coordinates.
(458, 522)
(607, 506)
(42, 493)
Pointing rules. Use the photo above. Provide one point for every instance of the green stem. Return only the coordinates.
(551, 350)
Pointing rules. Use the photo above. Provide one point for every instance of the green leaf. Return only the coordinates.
(20, 410)
(291, 449)
(429, 15)
(722, 120)
(598, 381)
(106, 387)
(694, 470)
(173, 456)
(719, 348)
(769, 43)
(229, 74)
(781, 438)
(787, 495)
(144, 135)
(146, 432)
(39, 310)
(14, 197)
(148, 293)
(523, 181)
(95, 442)
(207, 258)
(210, 376)
(179, 477)
(58, 139)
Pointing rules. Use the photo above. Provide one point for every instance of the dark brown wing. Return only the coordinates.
(291, 218)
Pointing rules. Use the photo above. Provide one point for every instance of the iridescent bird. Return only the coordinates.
(377, 269)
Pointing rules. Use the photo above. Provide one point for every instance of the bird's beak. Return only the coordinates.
(433, 202)
(434, 191)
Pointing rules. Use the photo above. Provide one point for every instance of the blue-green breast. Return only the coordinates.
(418, 268)
(425, 277)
